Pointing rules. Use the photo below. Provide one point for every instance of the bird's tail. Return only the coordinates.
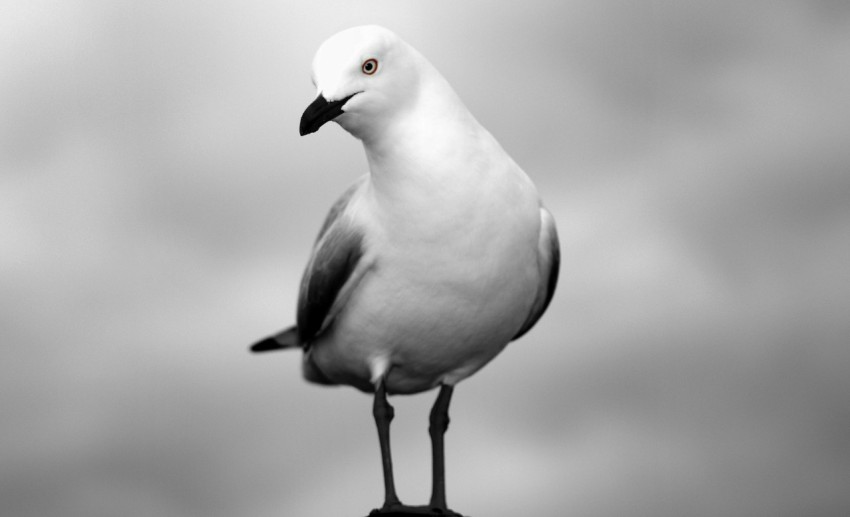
(284, 339)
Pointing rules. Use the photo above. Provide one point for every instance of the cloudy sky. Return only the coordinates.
(157, 207)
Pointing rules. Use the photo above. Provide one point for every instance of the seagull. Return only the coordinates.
(431, 263)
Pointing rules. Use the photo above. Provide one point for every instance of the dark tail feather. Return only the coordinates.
(281, 341)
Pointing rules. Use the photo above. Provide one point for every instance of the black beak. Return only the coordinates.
(319, 112)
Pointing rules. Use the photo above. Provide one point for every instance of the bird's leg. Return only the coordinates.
(439, 422)
(384, 413)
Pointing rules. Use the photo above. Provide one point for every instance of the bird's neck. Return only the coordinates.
(437, 144)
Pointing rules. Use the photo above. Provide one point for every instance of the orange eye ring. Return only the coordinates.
(370, 66)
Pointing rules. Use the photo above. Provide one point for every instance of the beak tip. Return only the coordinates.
(307, 126)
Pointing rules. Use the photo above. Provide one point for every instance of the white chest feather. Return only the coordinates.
(452, 276)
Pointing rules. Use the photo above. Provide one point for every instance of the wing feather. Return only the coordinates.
(335, 258)
(549, 262)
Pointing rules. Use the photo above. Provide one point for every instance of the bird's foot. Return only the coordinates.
(403, 510)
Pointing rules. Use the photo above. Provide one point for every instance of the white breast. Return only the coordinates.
(450, 283)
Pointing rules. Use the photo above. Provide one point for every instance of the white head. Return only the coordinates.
(364, 77)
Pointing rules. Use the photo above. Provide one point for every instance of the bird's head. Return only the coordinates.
(364, 76)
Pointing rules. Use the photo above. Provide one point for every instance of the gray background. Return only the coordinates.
(157, 207)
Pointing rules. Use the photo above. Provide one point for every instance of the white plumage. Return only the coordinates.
(429, 265)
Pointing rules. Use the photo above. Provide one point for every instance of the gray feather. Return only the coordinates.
(549, 260)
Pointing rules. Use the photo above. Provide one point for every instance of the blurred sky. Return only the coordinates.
(157, 207)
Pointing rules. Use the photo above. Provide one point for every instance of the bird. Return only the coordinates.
(428, 265)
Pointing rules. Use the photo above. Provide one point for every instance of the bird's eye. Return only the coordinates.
(370, 66)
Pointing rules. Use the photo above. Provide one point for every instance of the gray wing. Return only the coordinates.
(549, 262)
(340, 205)
(336, 255)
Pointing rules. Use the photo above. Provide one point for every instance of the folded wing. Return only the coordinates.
(548, 261)
(330, 273)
